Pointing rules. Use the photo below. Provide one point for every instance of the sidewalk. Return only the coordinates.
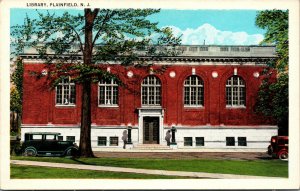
(196, 150)
(139, 171)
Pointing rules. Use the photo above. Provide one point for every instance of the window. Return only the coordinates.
(199, 141)
(224, 49)
(60, 138)
(37, 137)
(108, 93)
(50, 137)
(102, 141)
(235, 91)
(242, 141)
(245, 49)
(230, 141)
(283, 141)
(151, 91)
(66, 92)
(235, 49)
(193, 91)
(193, 48)
(188, 141)
(113, 141)
(70, 138)
(203, 48)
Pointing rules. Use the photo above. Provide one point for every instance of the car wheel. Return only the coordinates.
(30, 151)
(283, 155)
(71, 152)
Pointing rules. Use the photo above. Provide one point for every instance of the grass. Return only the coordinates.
(32, 172)
(272, 168)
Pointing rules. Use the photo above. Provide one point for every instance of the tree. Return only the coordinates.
(97, 36)
(273, 96)
(16, 94)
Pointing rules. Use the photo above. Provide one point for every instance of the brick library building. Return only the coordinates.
(205, 97)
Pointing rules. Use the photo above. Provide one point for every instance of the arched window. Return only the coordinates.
(235, 92)
(193, 91)
(65, 92)
(108, 93)
(151, 91)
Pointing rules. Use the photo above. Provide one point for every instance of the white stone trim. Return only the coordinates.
(177, 63)
(258, 127)
(214, 137)
(151, 112)
(65, 106)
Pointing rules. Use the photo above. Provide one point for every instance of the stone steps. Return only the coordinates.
(151, 147)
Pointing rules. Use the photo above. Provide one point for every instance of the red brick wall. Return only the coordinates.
(39, 101)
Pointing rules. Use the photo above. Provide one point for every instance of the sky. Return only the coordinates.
(197, 27)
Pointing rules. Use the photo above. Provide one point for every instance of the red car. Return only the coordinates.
(279, 147)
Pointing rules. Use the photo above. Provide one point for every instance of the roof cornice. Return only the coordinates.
(166, 58)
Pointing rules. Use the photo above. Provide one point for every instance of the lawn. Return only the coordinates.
(32, 172)
(273, 168)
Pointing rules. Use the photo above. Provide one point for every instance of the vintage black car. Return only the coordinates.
(47, 144)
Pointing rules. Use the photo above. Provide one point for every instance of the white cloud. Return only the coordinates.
(213, 36)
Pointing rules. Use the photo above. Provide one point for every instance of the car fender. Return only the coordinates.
(280, 152)
(30, 147)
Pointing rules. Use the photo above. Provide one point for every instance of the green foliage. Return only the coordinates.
(273, 98)
(117, 34)
(15, 101)
(276, 24)
(16, 93)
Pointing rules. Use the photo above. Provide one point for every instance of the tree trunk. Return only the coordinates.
(85, 148)
(18, 122)
(12, 121)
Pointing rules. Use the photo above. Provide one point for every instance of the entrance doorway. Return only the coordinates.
(151, 130)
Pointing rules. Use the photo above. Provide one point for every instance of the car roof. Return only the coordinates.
(43, 133)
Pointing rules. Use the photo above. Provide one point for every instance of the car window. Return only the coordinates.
(71, 138)
(37, 137)
(50, 137)
(283, 141)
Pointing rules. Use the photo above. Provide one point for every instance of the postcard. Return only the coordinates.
(149, 95)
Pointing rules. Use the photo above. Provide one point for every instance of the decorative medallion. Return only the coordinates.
(44, 72)
(129, 74)
(172, 74)
(256, 74)
(214, 74)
